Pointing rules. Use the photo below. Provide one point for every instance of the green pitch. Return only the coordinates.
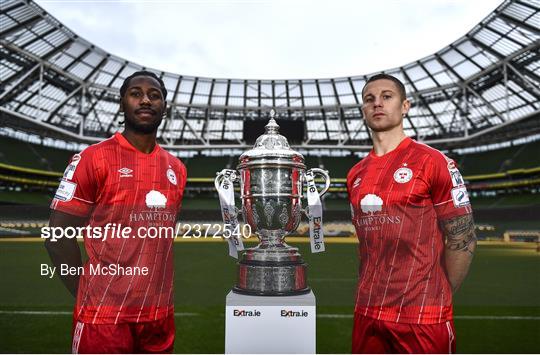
(497, 310)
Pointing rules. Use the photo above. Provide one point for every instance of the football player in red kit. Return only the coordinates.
(123, 190)
(414, 223)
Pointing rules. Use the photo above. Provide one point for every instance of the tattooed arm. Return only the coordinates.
(460, 247)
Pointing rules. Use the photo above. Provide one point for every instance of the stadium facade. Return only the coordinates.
(480, 89)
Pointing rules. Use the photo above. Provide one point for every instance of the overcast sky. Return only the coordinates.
(271, 39)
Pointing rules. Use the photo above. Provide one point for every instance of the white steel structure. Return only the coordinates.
(484, 87)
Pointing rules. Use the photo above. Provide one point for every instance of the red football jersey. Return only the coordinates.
(112, 183)
(396, 202)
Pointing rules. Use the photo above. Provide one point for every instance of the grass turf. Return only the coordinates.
(504, 281)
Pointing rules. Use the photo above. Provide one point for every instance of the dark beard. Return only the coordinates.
(143, 128)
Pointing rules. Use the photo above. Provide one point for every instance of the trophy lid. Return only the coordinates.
(271, 144)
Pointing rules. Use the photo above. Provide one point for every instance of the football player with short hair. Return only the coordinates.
(415, 228)
(122, 188)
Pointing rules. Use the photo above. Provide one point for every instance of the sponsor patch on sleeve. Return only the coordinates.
(70, 170)
(455, 175)
(65, 191)
(460, 196)
(171, 176)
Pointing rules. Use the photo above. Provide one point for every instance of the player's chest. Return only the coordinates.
(400, 183)
(146, 182)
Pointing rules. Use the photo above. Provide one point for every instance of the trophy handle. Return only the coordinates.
(232, 174)
(326, 177)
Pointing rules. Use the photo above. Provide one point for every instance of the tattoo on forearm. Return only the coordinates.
(459, 232)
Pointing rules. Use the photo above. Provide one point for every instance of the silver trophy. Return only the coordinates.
(272, 177)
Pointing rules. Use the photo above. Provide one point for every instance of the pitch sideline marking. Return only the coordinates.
(323, 315)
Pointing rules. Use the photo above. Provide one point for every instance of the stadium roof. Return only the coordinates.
(57, 84)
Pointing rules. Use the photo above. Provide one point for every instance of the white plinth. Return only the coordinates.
(257, 324)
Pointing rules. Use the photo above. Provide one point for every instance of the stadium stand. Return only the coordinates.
(25, 154)
(524, 156)
(479, 91)
(500, 160)
(206, 167)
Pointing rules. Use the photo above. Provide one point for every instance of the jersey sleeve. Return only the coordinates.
(182, 184)
(77, 191)
(448, 191)
(351, 174)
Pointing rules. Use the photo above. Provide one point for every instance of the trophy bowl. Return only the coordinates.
(272, 177)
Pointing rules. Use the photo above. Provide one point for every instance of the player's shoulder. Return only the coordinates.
(175, 162)
(88, 160)
(95, 148)
(96, 157)
(433, 154)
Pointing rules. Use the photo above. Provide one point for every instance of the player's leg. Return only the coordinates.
(422, 338)
(366, 339)
(155, 337)
(101, 339)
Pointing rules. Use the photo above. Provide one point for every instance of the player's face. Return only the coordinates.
(143, 105)
(383, 107)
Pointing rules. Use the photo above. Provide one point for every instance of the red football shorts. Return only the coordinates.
(147, 337)
(377, 336)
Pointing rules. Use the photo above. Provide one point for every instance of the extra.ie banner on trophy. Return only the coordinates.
(316, 235)
(228, 210)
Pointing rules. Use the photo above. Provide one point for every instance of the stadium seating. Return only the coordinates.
(200, 166)
(26, 172)
(493, 161)
(28, 155)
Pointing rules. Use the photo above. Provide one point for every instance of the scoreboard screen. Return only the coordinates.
(292, 130)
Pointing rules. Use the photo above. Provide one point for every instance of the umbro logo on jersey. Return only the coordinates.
(125, 172)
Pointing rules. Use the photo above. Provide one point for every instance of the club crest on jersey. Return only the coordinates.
(371, 203)
(125, 172)
(403, 175)
(156, 200)
(171, 176)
